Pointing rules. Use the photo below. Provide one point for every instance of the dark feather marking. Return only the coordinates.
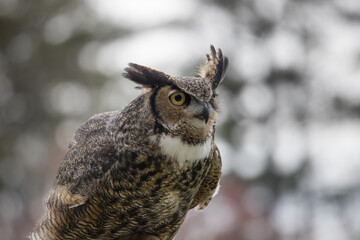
(145, 76)
(159, 128)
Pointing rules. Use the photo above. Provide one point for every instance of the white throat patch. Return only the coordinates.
(175, 148)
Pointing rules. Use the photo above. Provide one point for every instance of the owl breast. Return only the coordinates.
(153, 191)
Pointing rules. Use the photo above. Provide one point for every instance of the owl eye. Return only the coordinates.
(178, 98)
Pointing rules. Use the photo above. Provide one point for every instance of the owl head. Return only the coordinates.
(183, 103)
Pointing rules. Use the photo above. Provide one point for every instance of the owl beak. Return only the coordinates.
(205, 113)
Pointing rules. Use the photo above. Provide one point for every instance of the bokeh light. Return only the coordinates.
(289, 115)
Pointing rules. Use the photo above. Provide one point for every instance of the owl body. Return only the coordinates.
(135, 173)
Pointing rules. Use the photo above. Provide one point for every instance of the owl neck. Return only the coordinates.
(176, 149)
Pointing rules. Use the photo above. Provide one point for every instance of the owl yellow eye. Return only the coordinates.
(178, 98)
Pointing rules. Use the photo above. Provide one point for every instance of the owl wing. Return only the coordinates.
(210, 185)
(91, 155)
(215, 67)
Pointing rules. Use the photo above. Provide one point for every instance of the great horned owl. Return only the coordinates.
(135, 173)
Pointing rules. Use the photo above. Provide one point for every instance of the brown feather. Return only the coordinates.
(117, 182)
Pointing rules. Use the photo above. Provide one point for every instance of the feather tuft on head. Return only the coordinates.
(145, 76)
(214, 67)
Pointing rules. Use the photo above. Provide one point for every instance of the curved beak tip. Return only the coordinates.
(205, 114)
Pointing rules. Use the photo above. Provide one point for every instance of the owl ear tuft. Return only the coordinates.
(145, 76)
(215, 67)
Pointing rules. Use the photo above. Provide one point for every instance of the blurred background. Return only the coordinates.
(289, 122)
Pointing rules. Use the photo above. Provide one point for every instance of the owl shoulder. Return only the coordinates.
(94, 126)
(91, 155)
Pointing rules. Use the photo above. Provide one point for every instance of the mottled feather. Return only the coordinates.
(134, 173)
